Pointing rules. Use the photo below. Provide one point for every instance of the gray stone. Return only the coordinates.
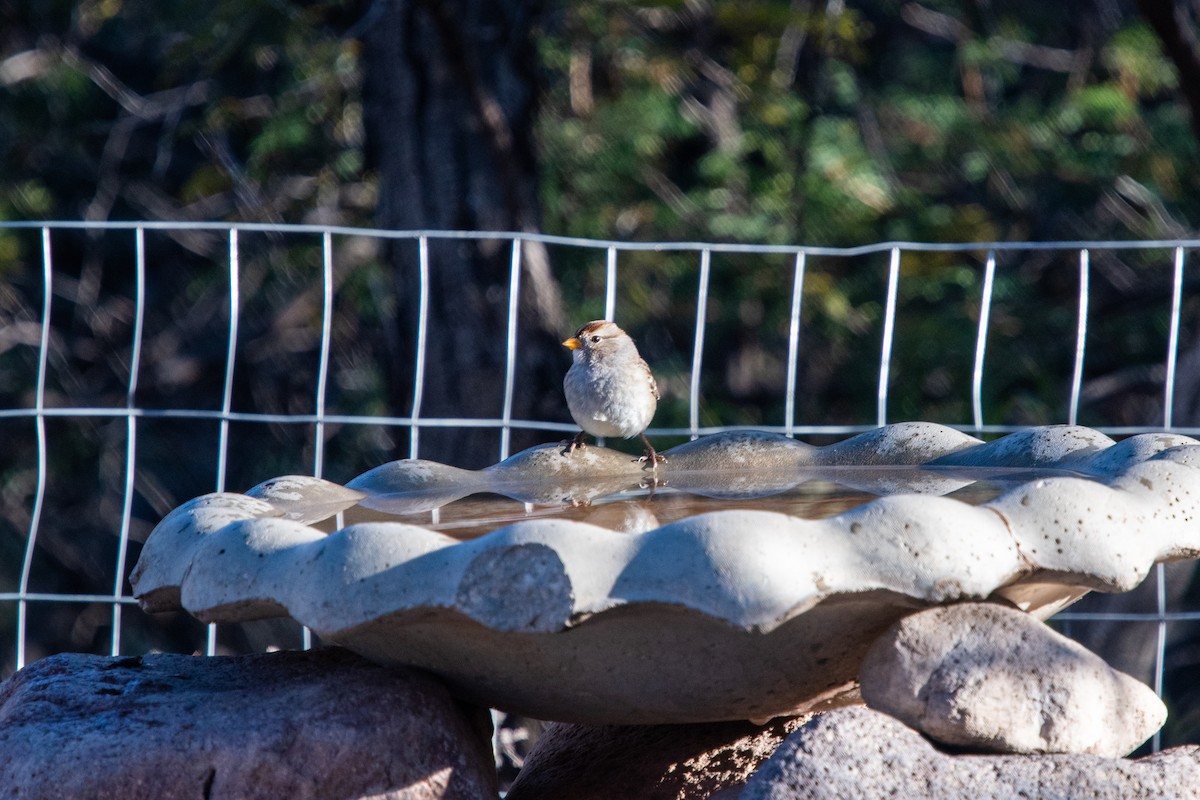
(318, 724)
(858, 753)
(984, 676)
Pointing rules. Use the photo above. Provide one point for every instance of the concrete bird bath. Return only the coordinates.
(592, 611)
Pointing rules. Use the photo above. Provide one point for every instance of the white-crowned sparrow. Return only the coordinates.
(610, 389)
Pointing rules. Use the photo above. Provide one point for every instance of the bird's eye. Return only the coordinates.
(595, 340)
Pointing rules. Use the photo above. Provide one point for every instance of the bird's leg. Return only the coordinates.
(651, 457)
(571, 445)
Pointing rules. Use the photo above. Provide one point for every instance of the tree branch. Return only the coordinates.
(944, 26)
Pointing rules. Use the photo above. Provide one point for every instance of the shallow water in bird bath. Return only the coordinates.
(641, 508)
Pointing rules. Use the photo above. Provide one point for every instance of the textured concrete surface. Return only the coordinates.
(727, 615)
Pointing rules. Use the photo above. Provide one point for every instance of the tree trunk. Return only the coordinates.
(1176, 30)
(450, 102)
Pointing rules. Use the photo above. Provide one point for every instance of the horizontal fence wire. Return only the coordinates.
(603, 244)
(892, 256)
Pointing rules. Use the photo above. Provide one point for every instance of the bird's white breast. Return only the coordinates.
(605, 402)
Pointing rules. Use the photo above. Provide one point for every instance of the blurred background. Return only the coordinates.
(793, 122)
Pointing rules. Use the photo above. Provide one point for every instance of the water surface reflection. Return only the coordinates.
(635, 507)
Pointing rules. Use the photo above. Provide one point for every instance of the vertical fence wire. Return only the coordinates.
(889, 327)
(610, 299)
(510, 354)
(1160, 645)
(131, 430)
(1080, 339)
(322, 377)
(230, 357)
(610, 285)
(985, 312)
(39, 420)
(414, 441)
(326, 346)
(210, 647)
(1173, 342)
(698, 343)
(789, 402)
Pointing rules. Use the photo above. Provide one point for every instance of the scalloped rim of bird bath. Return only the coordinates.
(736, 614)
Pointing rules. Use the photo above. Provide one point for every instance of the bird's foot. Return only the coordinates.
(651, 459)
(571, 445)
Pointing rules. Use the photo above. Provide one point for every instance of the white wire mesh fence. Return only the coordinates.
(900, 271)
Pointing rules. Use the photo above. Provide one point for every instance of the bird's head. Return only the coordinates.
(596, 337)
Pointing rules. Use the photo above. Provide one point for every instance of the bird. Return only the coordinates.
(609, 387)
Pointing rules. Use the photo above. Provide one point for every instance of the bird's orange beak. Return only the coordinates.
(571, 343)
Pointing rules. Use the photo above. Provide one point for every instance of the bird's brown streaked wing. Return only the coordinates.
(653, 383)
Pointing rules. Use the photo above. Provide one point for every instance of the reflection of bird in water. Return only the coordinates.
(609, 387)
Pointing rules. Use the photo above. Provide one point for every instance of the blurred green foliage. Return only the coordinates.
(841, 124)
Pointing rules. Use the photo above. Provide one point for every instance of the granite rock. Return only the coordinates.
(318, 724)
(854, 753)
(984, 676)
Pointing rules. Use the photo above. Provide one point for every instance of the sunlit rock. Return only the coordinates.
(990, 678)
(859, 754)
